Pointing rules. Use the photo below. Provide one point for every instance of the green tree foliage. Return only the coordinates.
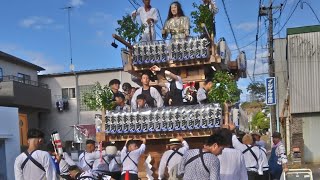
(129, 29)
(202, 14)
(99, 98)
(224, 88)
(260, 121)
(258, 90)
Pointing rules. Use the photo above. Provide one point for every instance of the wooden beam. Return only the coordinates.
(163, 135)
(120, 39)
(175, 65)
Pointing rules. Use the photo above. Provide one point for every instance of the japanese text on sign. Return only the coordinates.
(271, 91)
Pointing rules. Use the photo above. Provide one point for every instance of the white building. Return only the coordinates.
(22, 100)
(68, 87)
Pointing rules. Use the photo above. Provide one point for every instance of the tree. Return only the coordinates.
(224, 90)
(100, 98)
(129, 29)
(260, 121)
(202, 14)
(258, 90)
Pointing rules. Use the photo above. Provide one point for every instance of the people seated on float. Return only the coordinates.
(202, 94)
(126, 87)
(152, 96)
(141, 102)
(177, 24)
(114, 85)
(172, 88)
(120, 102)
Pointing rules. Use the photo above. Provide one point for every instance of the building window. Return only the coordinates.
(84, 89)
(23, 78)
(68, 93)
(72, 92)
(1, 74)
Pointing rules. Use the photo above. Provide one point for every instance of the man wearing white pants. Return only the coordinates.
(149, 18)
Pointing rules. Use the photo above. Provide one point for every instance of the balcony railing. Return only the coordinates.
(22, 80)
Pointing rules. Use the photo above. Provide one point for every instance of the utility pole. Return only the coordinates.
(271, 62)
(267, 11)
(69, 8)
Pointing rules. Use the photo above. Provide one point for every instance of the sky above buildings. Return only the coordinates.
(37, 30)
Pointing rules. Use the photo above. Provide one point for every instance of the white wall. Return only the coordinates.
(13, 69)
(9, 132)
(311, 126)
(61, 121)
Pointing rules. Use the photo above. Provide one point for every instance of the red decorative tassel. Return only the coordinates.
(127, 177)
(100, 149)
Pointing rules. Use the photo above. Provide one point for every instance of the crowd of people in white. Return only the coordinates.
(223, 156)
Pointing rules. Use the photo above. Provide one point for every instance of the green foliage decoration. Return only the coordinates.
(128, 29)
(202, 14)
(260, 121)
(99, 98)
(224, 88)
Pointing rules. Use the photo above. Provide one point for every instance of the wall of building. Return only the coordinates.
(10, 141)
(33, 117)
(311, 126)
(3, 169)
(281, 72)
(63, 121)
(13, 69)
(304, 134)
(304, 72)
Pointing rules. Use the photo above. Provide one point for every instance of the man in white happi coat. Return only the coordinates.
(64, 162)
(87, 158)
(33, 163)
(149, 18)
(172, 157)
(232, 164)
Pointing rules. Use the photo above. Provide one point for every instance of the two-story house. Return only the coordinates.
(19, 87)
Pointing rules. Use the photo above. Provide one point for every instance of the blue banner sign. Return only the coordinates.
(271, 91)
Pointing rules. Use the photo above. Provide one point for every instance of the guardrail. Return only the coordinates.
(22, 80)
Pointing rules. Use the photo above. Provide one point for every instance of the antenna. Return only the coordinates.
(69, 8)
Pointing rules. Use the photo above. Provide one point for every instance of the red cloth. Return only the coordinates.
(88, 130)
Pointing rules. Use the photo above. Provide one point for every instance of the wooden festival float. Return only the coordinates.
(193, 59)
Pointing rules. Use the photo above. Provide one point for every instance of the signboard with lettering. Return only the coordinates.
(271, 91)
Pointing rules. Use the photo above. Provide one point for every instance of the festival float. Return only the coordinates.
(194, 59)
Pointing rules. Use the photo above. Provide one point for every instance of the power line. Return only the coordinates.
(288, 18)
(233, 34)
(249, 43)
(244, 36)
(257, 34)
(133, 5)
(69, 30)
(311, 9)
